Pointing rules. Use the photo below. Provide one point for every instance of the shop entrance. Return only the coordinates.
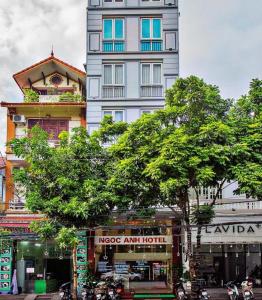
(41, 267)
(58, 269)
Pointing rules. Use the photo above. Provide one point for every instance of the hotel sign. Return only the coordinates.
(134, 240)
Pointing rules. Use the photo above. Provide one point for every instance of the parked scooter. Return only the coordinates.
(232, 290)
(65, 291)
(181, 291)
(88, 291)
(247, 289)
(101, 291)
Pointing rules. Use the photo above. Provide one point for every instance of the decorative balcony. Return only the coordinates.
(113, 46)
(151, 45)
(113, 91)
(151, 91)
(49, 98)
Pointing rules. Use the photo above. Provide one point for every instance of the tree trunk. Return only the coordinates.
(74, 294)
(197, 252)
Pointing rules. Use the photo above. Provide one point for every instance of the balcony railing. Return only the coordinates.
(113, 91)
(151, 45)
(151, 90)
(49, 98)
(113, 46)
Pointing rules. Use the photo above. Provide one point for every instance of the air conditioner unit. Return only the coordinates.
(19, 119)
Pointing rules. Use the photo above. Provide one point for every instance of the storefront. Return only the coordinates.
(230, 252)
(140, 253)
(41, 267)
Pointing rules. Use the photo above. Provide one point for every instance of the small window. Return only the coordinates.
(117, 115)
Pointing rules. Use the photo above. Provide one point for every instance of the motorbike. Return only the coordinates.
(203, 294)
(88, 292)
(65, 291)
(232, 290)
(247, 290)
(101, 291)
(181, 292)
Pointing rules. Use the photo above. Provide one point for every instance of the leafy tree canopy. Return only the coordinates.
(67, 183)
(246, 119)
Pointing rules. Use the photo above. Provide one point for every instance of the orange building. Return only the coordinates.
(54, 98)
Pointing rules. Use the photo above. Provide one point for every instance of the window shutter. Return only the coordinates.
(170, 40)
(93, 87)
(94, 42)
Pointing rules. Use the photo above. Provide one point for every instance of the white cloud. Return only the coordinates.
(28, 30)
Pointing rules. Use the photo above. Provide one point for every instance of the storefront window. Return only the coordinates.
(137, 255)
(42, 262)
(224, 262)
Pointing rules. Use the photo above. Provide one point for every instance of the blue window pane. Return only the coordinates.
(119, 46)
(145, 46)
(156, 46)
(119, 29)
(108, 29)
(145, 28)
(156, 28)
(108, 46)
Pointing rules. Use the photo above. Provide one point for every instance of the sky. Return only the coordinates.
(220, 41)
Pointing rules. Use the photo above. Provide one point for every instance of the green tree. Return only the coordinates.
(67, 183)
(246, 119)
(163, 157)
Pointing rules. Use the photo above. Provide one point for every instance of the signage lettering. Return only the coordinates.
(229, 229)
(133, 240)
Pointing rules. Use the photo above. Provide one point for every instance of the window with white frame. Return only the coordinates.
(151, 74)
(117, 115)
(151, 80)
(113, 74)
(151, 34)
(113, 35)
(113, 81)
